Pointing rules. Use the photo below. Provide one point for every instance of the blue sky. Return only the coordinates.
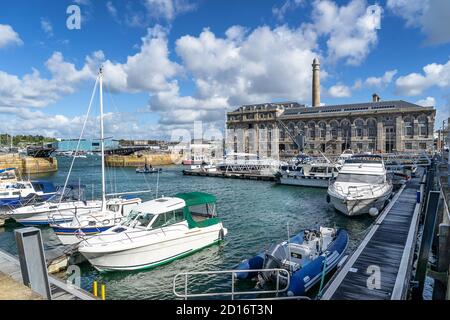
(169, 63)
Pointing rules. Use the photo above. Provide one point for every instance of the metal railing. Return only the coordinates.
(185, 295)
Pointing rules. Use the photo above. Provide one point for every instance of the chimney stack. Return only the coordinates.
(375, 98)
(316, 83)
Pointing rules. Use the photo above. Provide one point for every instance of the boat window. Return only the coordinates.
(16, 193)
(138, 219)
(207, 209)
(114, 207)
(3, 194)
(126, 208)
(168, 218)
(360, 178)
(38, 187)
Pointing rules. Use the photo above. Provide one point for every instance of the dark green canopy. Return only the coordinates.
(196, 198)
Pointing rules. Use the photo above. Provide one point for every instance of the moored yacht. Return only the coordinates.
(157, 232)
(361, 187)
(59, 210)
(313, 173)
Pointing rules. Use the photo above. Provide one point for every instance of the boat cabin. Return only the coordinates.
(196, 208)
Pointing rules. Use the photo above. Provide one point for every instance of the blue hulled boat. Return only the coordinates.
(307, 256)
(20, 193)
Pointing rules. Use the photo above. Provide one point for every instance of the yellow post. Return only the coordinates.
(103, 292)
(95, 289)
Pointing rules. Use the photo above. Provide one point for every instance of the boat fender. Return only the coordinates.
(342, 261)
(373, 212)
(328, 198)
(221, 235)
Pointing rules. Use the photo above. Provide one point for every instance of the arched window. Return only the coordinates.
(346, 130)
(372, 128)
(312, 130)
(334, 129)
(408, 124)
(359, 128)
(301, 128)
(423, 126)
(322, 130)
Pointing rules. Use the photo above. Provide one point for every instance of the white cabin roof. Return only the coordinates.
(161, 205)
(364, 168)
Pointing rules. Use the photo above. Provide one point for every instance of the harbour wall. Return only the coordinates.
(141, 160)
(28, 165)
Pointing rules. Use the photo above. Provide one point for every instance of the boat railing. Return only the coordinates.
(184, 276)
(358, 191)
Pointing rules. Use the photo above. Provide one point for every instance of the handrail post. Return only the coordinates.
(185, 286)
(232, 285)
(278, 281)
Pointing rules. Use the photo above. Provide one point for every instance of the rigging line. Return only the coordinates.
(111, 98)
(79, 140)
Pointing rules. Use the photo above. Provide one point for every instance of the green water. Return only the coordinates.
(255, 213)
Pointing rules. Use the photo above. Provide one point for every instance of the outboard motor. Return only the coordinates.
(274, 257)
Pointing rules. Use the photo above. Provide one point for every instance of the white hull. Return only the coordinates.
(305, 182)
(155, 253)
(64, 213)
(356, 207)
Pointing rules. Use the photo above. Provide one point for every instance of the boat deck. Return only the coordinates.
(10, 266)
(380, 267)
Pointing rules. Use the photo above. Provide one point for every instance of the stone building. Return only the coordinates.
(282, 129)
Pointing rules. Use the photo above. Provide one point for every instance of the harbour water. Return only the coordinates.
(256, 213)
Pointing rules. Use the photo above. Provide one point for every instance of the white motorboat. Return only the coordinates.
(107, 215)
(55, 211)
(347, 154)
(20, 193)
(157, 232)
(94, 221)
(361, 187)
(315, 173)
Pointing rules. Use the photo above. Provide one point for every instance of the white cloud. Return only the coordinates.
(32, 90)
(111, 9)
(427, 102)
(381, 81)
(351, 29)
(280, 11)
(47, 27)
(414, 84)
(339, 91)
(168, 9)
(8, 36)
(149, 70)
(431, 16)
(240, 68)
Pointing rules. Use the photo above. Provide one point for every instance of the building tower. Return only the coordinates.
(316, 83)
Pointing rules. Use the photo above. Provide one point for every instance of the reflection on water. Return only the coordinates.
(256, 213)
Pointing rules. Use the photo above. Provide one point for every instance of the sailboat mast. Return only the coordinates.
(102, 141)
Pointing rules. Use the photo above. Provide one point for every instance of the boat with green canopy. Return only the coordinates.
(157, 232)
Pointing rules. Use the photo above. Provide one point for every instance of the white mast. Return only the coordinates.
(100, 75)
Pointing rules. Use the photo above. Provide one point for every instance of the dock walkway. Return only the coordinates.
(380, 267)
(10, 266)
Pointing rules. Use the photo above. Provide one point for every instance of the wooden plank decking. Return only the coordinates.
(9, 265)
(388, 247)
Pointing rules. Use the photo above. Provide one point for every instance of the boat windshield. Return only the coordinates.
(360, 178)
(138, 219)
